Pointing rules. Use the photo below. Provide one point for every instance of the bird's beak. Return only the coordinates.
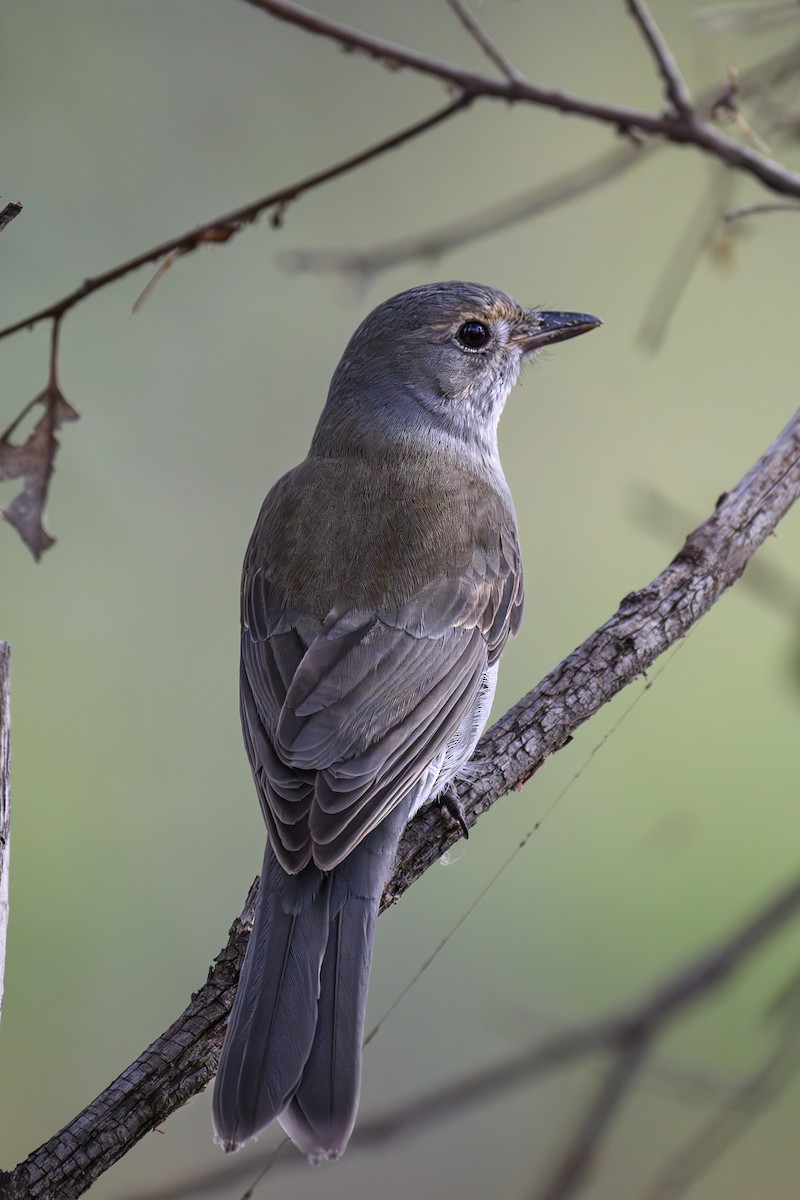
(545, 328)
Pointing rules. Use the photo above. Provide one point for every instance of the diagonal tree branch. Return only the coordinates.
(182, 1061)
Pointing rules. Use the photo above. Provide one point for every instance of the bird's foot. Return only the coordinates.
(450, 801)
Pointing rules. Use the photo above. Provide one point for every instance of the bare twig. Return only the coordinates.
(469, 86)
(221, 229)
(680, 129)
(490, 49)
(753, 210)
(364, 263)
(182, 1061)
(5, 804)
(33, 461)
(675, 85)
(8, 213)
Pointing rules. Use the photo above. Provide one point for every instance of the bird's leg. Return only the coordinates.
(450, 801)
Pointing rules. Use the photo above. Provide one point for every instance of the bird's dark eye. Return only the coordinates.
(473, 335)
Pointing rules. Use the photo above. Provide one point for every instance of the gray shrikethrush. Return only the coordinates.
(381, 583)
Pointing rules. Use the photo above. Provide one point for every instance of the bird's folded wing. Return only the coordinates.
(342, 718)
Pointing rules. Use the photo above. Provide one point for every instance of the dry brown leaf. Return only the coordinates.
(33, 461)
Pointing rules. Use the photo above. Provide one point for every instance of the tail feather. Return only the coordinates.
(293, 1046)
(320, 1117)
(272, 1023)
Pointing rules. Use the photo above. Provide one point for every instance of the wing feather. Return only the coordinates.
(343, 716)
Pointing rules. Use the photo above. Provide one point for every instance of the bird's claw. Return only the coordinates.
(450, 801)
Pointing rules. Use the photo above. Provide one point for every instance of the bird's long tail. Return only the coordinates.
(293, 1046)
(272, 1022)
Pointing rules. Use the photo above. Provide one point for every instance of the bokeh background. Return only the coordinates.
(136, 831)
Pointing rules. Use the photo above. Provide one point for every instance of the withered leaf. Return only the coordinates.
(33, 461)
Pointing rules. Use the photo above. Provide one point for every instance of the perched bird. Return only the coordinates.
(381, 583)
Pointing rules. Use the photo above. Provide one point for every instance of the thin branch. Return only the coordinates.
(675, 85)
(430, 245)
(472, 83)
(720, 1130)
(680, 129)
(490, 49)
(752, 210)
(5, 803)
(183, 1060)
(221, 229)
(470, 86)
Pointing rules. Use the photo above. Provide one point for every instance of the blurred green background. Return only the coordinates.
(136, 830)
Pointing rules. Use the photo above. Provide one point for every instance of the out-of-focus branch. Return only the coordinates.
(752, 1098)
(183, 1060)
(5, 803)
(745, 18)
(363, 263)
(577, 1160)
(630, 1037)
(757, 210)
(694, 240)
(626, 1035)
